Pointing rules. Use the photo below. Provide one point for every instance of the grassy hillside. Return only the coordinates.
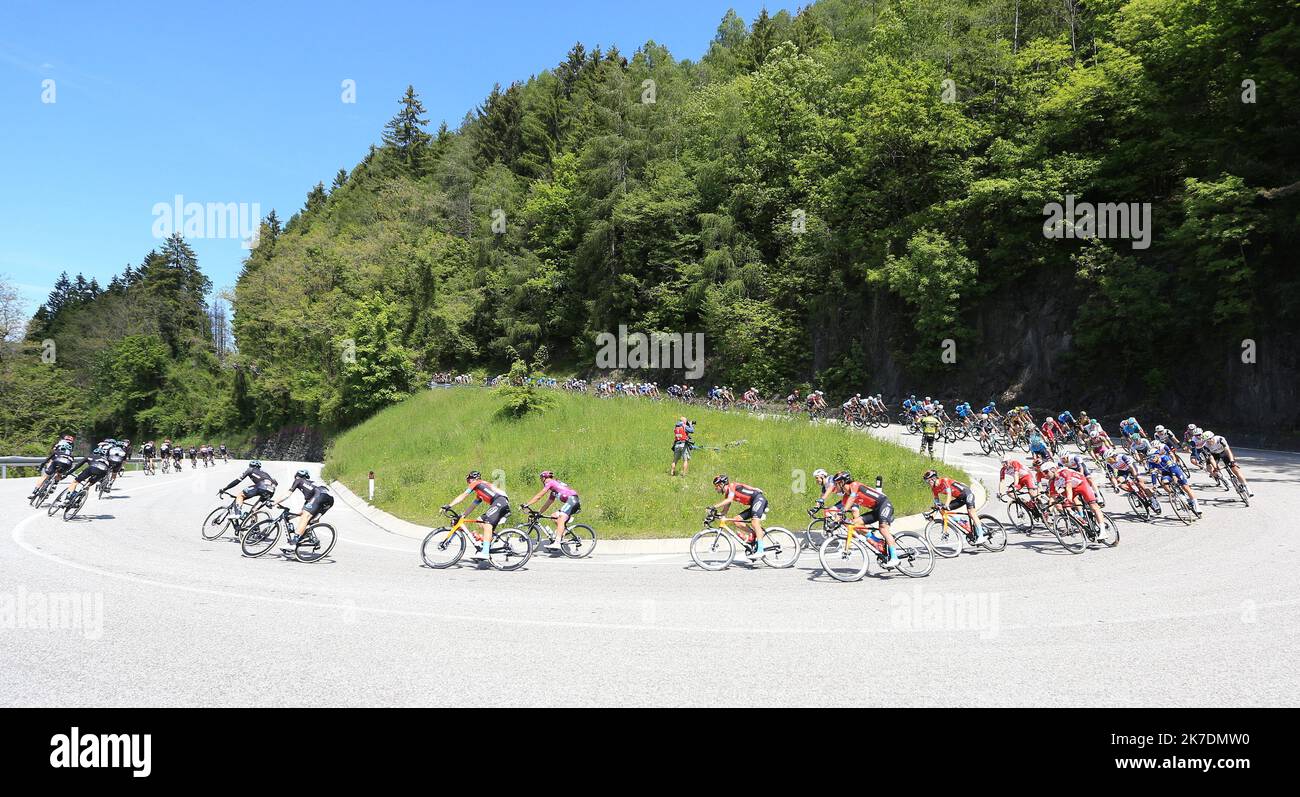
(615, 452)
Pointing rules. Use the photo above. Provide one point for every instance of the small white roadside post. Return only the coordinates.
(372, 486)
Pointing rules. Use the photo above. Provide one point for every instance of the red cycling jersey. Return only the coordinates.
(741, 493)
(859, 494)
(485, 491)
(946, 484)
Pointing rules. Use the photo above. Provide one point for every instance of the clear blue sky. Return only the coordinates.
(240, 102)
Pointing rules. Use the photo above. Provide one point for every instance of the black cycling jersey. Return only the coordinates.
(258, 476)
(306, 486)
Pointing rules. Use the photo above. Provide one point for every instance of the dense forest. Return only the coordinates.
(852, 196)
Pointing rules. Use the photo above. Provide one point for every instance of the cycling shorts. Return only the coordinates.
(571, 506)
(757, 508)
(319, 503)
(497, 511)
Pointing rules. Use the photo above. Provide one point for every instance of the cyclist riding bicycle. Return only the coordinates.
(867, 505)
(569, 507)
(263, 486)
(1162, 468)
(1017, 476)
(751, 498)
(1221, 454)
(57, 464)
(497, 507)
(315, 503)
(1072, 486)
(953, 495)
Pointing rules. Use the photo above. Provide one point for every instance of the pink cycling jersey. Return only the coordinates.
(560, 490)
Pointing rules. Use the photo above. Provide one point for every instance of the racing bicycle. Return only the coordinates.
(443, 547)
(714, 547)
(315, 543)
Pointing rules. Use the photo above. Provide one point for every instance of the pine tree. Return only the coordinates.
(315, 198)
(340, 180)
(405, 132)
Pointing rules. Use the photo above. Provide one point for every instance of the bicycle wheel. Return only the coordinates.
(1069, 533)
(57, 503)
(214, 525)
(915, 557)
(780, 548)
(1237, 484)
(713, 550)
(536, 534)
(995, 536)
(1139, 507)
(261, 538)
(250, 520)
(814, 534)
(579, 541)
(510, 550)
(946, 542)
(844, 561)
(39, 498)
(1020, 517)
(316, 543)
(71, 511)
(1178, 502)
(442, 548)
(1108, 533)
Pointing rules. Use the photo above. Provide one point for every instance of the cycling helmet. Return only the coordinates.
(472, 475)
(546, 474)
(1007, 460)
(1208, 435)
(843, 477)
(1191, 426)
(820, 473)
(70, 438)
(721, 479)
(302, 474)
(257, 463)
(1159, 428)
(930, 474)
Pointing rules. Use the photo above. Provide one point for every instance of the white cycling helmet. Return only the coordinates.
(1208, 435)
(1198, 431)
(1159, 428)
(820, 473)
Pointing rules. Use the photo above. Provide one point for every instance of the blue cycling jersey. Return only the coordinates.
(1065, 417)
(990, 409)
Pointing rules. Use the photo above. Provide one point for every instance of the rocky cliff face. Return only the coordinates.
(1019, 354)
(293, 444)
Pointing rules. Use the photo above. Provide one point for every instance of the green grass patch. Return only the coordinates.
(615, 452)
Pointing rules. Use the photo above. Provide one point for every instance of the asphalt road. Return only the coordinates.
(1207, 616)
